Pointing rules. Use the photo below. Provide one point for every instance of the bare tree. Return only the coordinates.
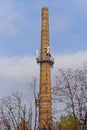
(4, 124)
(13, 109)
(33, 87)
(71, 89)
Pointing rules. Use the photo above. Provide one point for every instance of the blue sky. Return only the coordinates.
(20, 26)
(20, 34)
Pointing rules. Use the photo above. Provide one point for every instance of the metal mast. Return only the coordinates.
(46, 62)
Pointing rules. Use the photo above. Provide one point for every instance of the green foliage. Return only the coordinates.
(69, 122)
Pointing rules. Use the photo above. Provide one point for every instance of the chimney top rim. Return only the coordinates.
(45, 8)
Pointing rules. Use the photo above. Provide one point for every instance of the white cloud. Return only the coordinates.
(26, 67)
(17, 72)
(9, 16)
(74, 60)
(15, 16)
(18, 67)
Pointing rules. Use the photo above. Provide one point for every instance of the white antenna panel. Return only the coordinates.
(37, 54)
(48, 50)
